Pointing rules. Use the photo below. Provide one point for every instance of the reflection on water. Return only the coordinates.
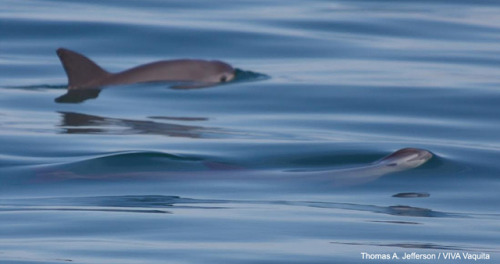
(79, 209)
(161, 201)
(399, 210)
(405, 210)
(76, 123)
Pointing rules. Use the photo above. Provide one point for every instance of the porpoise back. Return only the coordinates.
(84, 73)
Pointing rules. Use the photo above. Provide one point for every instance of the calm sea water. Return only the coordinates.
(149, 174)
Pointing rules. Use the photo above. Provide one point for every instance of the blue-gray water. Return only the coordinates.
(149, 174)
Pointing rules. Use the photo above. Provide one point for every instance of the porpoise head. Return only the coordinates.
(219, 72)
(406, 158)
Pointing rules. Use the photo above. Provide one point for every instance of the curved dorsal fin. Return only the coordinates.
(82, 72)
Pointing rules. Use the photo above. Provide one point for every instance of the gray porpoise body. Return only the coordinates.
(84, 73)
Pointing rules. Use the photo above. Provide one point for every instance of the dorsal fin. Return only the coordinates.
(81, 71)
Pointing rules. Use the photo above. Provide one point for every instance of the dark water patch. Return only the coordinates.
(396, 222)
(179, 118)
(411, 195)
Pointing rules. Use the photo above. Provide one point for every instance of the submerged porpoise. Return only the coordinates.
(400, 160)
(84, 73)
(403, 159)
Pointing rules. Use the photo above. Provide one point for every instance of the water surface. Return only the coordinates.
(146, 173)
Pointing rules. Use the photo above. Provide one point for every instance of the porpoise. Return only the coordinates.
(84, 73)
(400, 160)
(403, 159)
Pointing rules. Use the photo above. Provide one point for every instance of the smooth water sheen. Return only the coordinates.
(147, 173)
